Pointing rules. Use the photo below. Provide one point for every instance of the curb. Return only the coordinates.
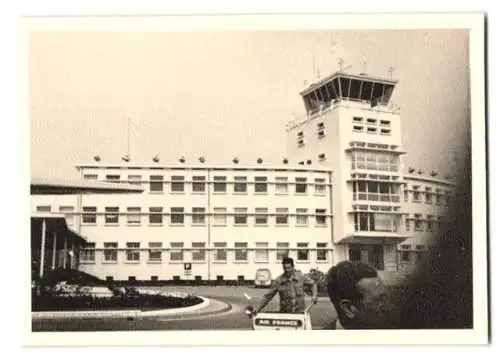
(195, 315)
(120, 313)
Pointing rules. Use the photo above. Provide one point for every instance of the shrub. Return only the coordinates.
(87, 302)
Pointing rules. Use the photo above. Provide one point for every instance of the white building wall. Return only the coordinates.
(208, 233)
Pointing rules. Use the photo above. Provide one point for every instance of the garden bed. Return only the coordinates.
(143, 302)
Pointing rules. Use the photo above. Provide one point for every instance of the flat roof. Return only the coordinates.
(429, 179)
(40, 186)
(203, 166)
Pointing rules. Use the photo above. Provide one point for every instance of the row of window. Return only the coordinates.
(376, 222)
(375, 161)
(375, 191)
(371, 130)
(221, 252)
(440, 197)
(371, 122)
(240, 184)
(155, 215)
(420, 223)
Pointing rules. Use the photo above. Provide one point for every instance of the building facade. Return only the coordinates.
(344, 193)
(223, 222)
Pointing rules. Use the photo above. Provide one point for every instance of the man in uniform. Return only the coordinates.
(290, 286)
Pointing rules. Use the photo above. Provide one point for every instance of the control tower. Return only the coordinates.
(351, 127)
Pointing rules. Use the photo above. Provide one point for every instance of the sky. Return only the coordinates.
(222, 94)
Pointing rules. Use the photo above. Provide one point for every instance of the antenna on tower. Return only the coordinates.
(128, 137)
(341, 62)
(313, 66)
(391, 70)
(364, 68)
(126, 158)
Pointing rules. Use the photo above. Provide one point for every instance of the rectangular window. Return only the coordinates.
(281, 216)
(428, 195)
(220, 251)
(177, 215)
(240, 216)
(302, 252)
(385, 123)
(113, 178)
(240, 184)
(133, 252)
(88, 253)
(260, 184)
(281, 185)
(177, 184)
(133, 215)
(155, 215)
(320, 186)
(321, 251)
(357, 128)
(418, 223)
(220, 216)
(408, 225)
(110, 252)
(321, 217)
(300, 185)
(220, 184)
(198, 184)
(301, 217)
(261, 252)
(90, 176)
(198, 215)
(134, 180)
(43, 208)
(111, 215)
(68, 214)
(430, 223)
(155, 252)
(199, 251)
(176, 252)
(261, 216)
(416, 194)
(282, 250)
(89, 215)
(240, 251)
(156, 183)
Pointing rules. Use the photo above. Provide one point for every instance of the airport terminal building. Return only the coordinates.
(343, 192)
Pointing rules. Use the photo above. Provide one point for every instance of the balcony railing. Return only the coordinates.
(376, 197)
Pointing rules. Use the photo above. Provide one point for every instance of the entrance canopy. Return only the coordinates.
(53, 244)
(374, 238)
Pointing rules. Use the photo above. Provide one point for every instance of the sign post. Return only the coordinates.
(187, 270)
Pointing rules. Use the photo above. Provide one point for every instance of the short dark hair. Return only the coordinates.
(287, 260)
(341, 280)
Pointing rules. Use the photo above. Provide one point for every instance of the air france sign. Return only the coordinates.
(281, 321)
(278, 323)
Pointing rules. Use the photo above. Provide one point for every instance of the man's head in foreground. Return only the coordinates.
(288, 266)
(361, 298)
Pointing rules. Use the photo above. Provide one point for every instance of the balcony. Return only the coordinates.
(376, 197)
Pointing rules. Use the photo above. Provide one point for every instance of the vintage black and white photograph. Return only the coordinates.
(247, 178)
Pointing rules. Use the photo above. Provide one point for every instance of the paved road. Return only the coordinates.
(322, 314)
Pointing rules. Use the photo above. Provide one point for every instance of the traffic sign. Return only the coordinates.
(187, 266)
